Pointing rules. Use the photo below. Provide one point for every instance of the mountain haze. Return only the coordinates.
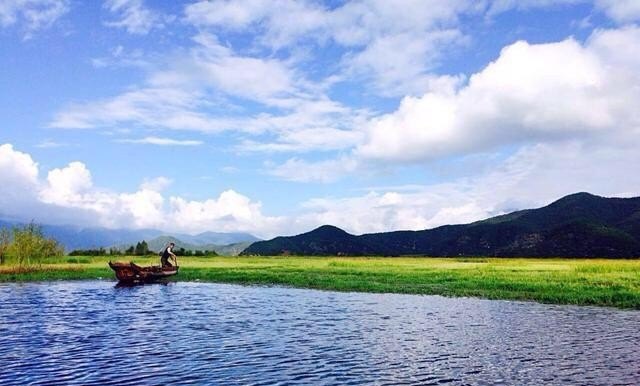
(159, 243)
(578, 225)
(72, 237)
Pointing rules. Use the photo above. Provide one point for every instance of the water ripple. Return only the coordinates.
(92, 333)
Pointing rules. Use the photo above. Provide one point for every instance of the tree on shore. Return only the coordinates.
(5, 241)
(29, 245)
(142, 248)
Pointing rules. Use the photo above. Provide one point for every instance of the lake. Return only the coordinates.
(94, 332)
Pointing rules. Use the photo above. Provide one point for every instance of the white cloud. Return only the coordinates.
(19, 176)
(145, 208)
(355, 23)
(231, 211)
(197, 89)
(192, 93)
(622, 11)
(261, 79)
(118, 56)
(498, 6)
(156, 184)
(532, 177)
(394, 45)
(394, 72)
(162, 141)
(306, 139)
(372, 29)
(171, 108)
(33, 15)
(68, 195)
(67, 184)
(531, 93)
(233, 14)
(285, 20)
(48, 144)
(133, 16)
(295, 169)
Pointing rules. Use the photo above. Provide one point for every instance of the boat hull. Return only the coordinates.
(130, 272)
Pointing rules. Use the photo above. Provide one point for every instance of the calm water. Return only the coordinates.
(83, 333)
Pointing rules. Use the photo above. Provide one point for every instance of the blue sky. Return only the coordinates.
(274, 117)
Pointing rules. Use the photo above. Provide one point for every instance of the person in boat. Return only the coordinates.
(168, 254)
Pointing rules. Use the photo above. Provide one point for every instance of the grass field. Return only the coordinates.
(564, 281)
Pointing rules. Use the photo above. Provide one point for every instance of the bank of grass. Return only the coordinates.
(563, 281)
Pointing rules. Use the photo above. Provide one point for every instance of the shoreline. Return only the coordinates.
(593, 282)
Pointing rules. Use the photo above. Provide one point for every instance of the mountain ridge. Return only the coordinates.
(577, 225)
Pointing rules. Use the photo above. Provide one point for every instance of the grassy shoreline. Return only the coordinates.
(599, 282)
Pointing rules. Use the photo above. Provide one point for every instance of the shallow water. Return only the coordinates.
(85, 333)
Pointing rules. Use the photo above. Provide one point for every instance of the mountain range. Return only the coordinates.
(159, 243)
(578, 225)
(72, 237)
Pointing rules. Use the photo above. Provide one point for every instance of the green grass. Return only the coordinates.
(563, 281)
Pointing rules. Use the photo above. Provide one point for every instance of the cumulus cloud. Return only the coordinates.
(530, 93)
(66, 185)
(19, 176)
(33, 15)
(68, 195)
(231, 211)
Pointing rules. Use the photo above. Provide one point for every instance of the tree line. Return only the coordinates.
(140, 249)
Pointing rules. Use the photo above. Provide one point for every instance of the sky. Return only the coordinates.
(274, 117)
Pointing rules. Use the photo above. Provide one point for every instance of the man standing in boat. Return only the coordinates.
(167, 254)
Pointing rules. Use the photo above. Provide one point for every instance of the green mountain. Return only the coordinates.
(578, 225)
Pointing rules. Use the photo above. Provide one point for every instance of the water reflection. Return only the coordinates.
(131, 284)
(82, 333)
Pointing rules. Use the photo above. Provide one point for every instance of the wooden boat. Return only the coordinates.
(130, 272)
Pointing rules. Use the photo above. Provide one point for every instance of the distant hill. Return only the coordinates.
(72, 237)
(578, 225)
(217, 238)
(159, 243)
